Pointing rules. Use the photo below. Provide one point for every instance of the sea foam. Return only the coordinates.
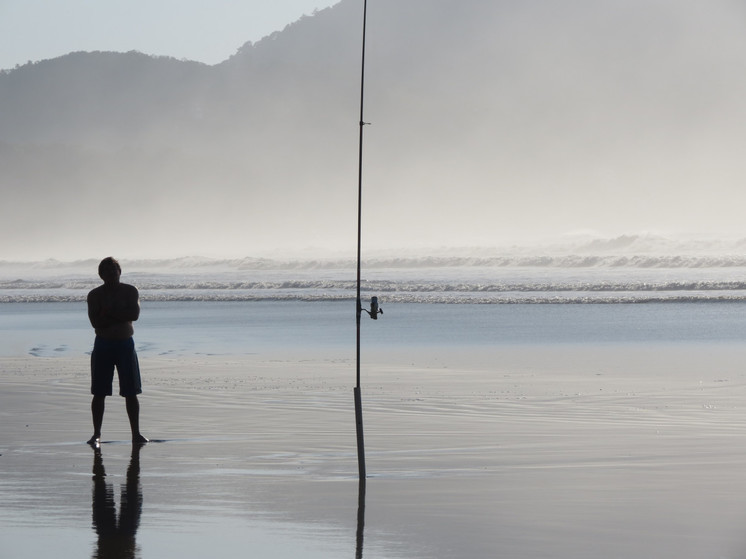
(468, 276)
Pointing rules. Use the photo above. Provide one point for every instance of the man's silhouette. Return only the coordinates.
(112, 308)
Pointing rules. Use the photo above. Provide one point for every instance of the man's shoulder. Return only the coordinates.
(129, 291)
(95, 291)
(98, 291)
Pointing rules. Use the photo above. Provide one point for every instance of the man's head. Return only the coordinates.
(109, 270)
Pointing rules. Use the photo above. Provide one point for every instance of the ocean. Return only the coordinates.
(244, 306)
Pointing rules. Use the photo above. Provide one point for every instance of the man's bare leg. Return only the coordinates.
(98, 404)
(133, 412)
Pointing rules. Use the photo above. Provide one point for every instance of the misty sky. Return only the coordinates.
(494, 123)
(205, 31)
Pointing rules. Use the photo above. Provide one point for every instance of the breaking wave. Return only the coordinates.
(516, 258)
(587, 274)
(405, 291)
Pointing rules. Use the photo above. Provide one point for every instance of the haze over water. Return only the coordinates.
(493, 125)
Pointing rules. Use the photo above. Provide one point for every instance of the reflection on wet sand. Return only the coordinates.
(116, 536)
(360, 519)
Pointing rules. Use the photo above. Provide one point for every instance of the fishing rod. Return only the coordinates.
(374, 308)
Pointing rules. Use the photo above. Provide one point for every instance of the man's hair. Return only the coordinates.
(108, 261)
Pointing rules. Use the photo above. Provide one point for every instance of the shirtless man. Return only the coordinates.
(112, 307)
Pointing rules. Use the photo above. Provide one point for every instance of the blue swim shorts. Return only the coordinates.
(108, 354)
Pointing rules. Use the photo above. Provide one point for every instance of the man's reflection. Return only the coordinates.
(116, 536)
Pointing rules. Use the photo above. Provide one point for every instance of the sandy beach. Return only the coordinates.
(557, 451)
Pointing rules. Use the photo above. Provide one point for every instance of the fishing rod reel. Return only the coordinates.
(374, 309)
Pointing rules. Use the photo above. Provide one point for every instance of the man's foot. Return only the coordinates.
(139, 439)
(95, 441)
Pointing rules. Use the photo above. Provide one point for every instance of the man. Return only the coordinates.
(112, 308)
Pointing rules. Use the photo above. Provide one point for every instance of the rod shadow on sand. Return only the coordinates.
(116, 535)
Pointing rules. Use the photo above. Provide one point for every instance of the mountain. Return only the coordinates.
(491, 120)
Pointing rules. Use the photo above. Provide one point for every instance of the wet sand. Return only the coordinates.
(562, 451)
